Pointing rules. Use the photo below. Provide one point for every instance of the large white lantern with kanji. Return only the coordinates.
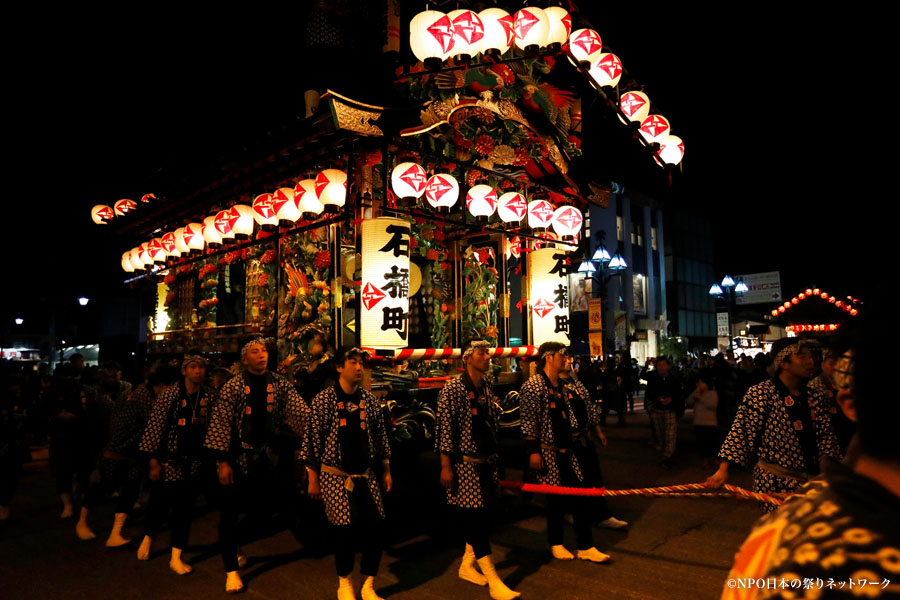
(264, 212)
(134, 256)
(124, 206)
(180, 244)
(585, 46)
(210, 233)
(654, 128)
(635, 106)
(671, 149)
(549, 296)
(540, 214)
(286, 210)
(168, 243)
(408, 180)
(481, 200)
(307, 200)
(567, 221)
(126, 263)
(442, 191)
(242, 221)
(512, 207)
(384, 292)
(102, 214)
(193, 237)
(560, 25)
(431, 37)
(156, 251)
(531, 27)
(607, 70)
(468, 32)
(331, 189)
(498, 31)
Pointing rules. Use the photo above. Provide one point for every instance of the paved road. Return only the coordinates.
(675, 548)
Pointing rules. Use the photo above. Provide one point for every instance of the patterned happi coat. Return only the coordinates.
(129, 418)
(535, 399)
(592, 409)
(457, 404)
(321, 446)
(767, 427)
(229, 426)
(172, 414)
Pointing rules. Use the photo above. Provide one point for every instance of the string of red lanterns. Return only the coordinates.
(811, 292)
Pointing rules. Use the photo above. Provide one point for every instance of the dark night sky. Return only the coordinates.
(767, 104)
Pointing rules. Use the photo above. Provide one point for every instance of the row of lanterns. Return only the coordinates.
(801, 328)
(441, 191)
(308, 199)
(809, 293)
(102, 213)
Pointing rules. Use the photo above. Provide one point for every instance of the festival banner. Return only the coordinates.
(384, 294)
(549, 295)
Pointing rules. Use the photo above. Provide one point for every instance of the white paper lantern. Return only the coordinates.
(307, 200)
(210, 233)
(607, 71)
(193, 237)
(144, 255)
(635, 106)
(331, 189)
(442, 191)
(155, 250)
(512, 207)
(242, 221)
(431, 37)
(126, 262)
(567, 221)
(499, 28)
(513, 248)
(671, 149)
(102, 214)
(264, 212)
(468, 32)
(135, 257)
(560, 25)
(531, 28)
(481, 201)
(168, 242)
(124, 206)
(285, 206)
(585, 45)
(548, 239)
(540, 214)
(408, 180)
(180, 243)
(654, 128)
(224, 224)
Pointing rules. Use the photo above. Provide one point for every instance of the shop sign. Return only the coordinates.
(384, 310)
(722, 324)
(549, 296)
(762, 288)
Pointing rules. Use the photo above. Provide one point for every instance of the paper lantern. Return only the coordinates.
(442, 191)
(384, 295)
(126, 262)
(549, 296)
(547, 240)
(671, 149)
(242, 221)
(331, 189)
(168, 243)
(468, 31)
(540, 214)
(209, 232)
(560, 26)
(286, 209)
(481, 201)
(654, 128)
(307, 200)
(134, 256)
(264, 212)
(408, 180)
(531, 27)
(567, 221)
(144, 255)
(193, 237)
(224, 224)
(102, 214)
(635, 106)
(431, 37)
(607, 70)
(124, 206)
(180, 244)
(155, 250)
(512, 207)
(148, 198)
(585, 46)
(513, 248)
(498, 31)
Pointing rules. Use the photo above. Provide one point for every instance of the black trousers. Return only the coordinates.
(10, 473)
(593, 477)
(475, 525)
(366, 531)
(116, 475)
(578, 506)
(176, 500)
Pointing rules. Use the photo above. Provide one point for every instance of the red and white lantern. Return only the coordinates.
(193, 237)
(155, 250)
(635, 106)
(654, 128)
(168, 243)
(102, 214)
(144, 255)
(264, 212)
(607, 70)
(126, 262)
(148, 198)
(481, 201)
(242, 222)
(431, 37)
(442, 191)
(286, 210)
(331, 189)
(560, 25)
(513, 248)
(585, 46)
(499, 28)
(512, 207)
(134, 256)
(671, 149)
(540, 214)
(531, 27)
(124, 206)
(408, 180)
(567, 221)
(307, 200)
(210, 233)
(180, 244)
(224, 223)
(468, 32)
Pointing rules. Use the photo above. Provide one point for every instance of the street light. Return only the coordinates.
(19, 320)
(741, 287)
(601, 255)
(83, 301)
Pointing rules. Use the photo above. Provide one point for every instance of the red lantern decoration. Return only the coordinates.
(331, 189)
(168, 243)
(193, 237)
(654, 128)
(498, 31)
(540, 214)
(635, 105)
(567, 221)
(124, 206)
(585, 46)
(442, 191)
(147, 198)
(241, 221)
(468, 32)
(307, 200)
(224, 224)
(264, 212)
(102, 214)
(180, 244)
(286, 210)
(431, 37)
(408, 180)
(210, 233)
(560, 26)
(155, 250)
(531, 28)
(607, 70)
(512, 207)
(481, 201)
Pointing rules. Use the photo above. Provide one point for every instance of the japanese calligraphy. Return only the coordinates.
(399, 242)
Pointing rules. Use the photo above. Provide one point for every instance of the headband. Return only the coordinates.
(474, 346)
(254, 342)
(193, 358)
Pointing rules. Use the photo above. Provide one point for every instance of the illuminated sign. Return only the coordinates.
(384, 310)
(549, 294)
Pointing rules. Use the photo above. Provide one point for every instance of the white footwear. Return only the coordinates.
(233, 583)
(143, 552)
(345, 589)
(115, 539)
(81, 528)
(593, 555)
(68, 511)
(467, 570)
(559, 552)
(177, 565)
(241, 559)
(368, 590)
(613, 523)
(498, 589)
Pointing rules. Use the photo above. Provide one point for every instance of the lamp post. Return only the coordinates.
(602, 267)
(728, 291)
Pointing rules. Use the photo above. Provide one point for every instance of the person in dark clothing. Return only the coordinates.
(14, 450)
(664, 394)
(613, 392)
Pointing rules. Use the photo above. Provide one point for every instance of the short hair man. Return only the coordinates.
(664, 395)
